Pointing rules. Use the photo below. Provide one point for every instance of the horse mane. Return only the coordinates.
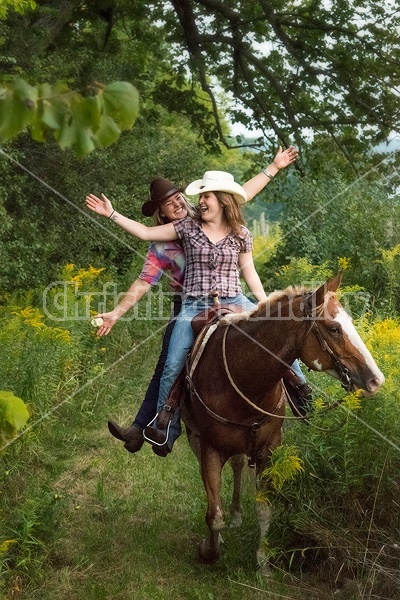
(265, 307)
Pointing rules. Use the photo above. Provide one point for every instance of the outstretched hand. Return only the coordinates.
(284, 158)
(109, 320)
(102, 206)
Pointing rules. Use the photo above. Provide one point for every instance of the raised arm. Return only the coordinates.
(250, 275)
(283, 159)
(160, 233)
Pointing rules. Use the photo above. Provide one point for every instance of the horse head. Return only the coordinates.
(332, 343)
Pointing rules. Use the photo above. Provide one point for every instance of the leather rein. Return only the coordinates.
(254, 427)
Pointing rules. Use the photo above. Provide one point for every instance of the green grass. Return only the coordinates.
(92, 521)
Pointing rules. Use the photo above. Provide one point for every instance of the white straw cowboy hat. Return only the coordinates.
(217, 181)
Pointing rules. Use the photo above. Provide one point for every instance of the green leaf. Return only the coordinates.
(107, 133)
(49, 91)
(121, 103)
(52, 114)
(18, 106)
(67, 135)
(26, 93)
(10, 124)
(13, 415)
(84, 142)
(86, 112)
(55, 104)
(37, 132)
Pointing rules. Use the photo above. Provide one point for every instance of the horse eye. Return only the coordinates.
(335, 330)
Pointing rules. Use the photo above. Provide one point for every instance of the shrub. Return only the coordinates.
(341, 514)
(329, 218)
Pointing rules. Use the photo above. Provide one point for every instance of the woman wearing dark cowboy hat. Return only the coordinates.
(167, 203)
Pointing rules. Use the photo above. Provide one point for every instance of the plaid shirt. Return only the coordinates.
(211, 266)
(164, 256)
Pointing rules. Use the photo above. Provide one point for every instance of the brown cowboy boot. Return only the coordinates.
(158, 432)
(173, 401)
(132, 435)
(162, 451)
(299, 394)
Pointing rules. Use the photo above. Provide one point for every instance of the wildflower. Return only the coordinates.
(344, 263)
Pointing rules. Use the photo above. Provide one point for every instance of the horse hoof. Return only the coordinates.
(263, 565)
(207, 555)
(236, 520)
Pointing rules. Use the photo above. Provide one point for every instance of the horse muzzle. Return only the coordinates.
(371, 386)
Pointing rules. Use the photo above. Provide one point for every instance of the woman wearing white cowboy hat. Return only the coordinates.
(216, 245)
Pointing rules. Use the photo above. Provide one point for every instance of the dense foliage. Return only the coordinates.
(341, 513)
(327, 220)
(283, 68)
(43, 188)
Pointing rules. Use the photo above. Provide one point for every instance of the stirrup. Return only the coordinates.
(148, 429)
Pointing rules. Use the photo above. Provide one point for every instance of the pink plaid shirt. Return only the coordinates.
(211, 266)
(162, 257)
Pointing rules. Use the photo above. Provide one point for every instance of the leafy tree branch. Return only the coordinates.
(75, 121)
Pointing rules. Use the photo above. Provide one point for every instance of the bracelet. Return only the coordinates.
(268, 174)
(111, 214)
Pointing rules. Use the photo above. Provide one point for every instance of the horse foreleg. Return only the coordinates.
(211, 467)
(237, 463)
(264, 514)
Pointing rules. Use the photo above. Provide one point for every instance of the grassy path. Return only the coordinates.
(113, 525)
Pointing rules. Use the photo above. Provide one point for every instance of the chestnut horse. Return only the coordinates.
(236, 403)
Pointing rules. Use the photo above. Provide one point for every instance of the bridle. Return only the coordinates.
(265, 413)
(343, 372)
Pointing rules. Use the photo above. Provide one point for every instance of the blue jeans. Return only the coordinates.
(296, 368)
(148, 409)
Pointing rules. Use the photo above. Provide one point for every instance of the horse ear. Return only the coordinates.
(334, 282)
(316, 298)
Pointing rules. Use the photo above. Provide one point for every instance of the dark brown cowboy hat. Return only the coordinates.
(160, 190)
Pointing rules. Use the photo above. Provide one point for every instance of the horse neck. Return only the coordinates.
(276, 340)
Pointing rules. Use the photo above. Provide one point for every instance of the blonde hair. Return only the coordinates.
(162, 220)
